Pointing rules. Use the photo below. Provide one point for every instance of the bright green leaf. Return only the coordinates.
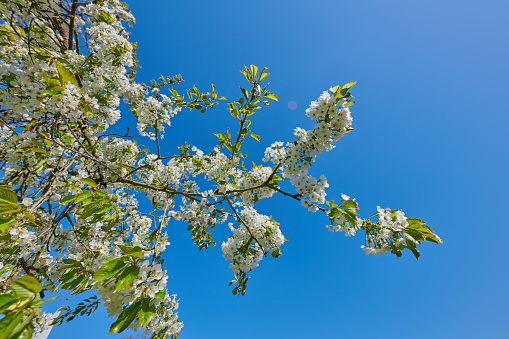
(7, 195)
(125, 318)
(67, 199)
(65, 75)
(127, 277)
(146, 312)
(111, 267)
(89, 182)
(29, 282)
(255, 136)
(269, 95)
(350, 203)
(8, 323)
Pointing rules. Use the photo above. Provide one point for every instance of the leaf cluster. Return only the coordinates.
(19, 304)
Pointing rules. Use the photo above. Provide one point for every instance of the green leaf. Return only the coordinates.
(36, 150)
(9, 209)
(418, 229)
(350, 216)
(6, 300)
(269, 95)
(146, 312)
(7, 195)
(247, 74)
(67, 199)
(54, 91)
(21, 327)
(78, 283)
(197, 162)
(50, 299)
(350, 203)
(72, 263)
(254, 71)
(29, 282)
(161, 294)
(347, 86)
(410, 244)
(255, 136)
(113, 219)
(111, 267)
(41, 163)
(103, 17)
(125, 318)
(29, 216)
(127, 277)
(89, 182)
(276, 253)
(82, 196)
(51, 81)
(135, 251)
(264, 74)
(8, 323)
(221, 136)
(245, 93)
(89, 211)
(65, 75)
(331, 203)
(26, 333)
(5, 268)
(21, 292)
(6, 222)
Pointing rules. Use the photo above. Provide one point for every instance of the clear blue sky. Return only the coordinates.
(430, 138)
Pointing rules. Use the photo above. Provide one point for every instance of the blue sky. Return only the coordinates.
(430, 138)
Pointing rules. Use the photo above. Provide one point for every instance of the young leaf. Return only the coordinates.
(255, 136)
(254, 71)
(245, 93)
(264, 74)
(65, 75)
(350, 203)
(269, 95)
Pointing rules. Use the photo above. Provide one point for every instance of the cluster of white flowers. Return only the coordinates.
(154, 113)
(332, 119)
(249, 233)
(379, 241)
(257, 176)
(121, 151)
(42, 322)
(199, 213)
(341, 225)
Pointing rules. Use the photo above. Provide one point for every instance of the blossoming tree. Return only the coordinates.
(70, 190)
